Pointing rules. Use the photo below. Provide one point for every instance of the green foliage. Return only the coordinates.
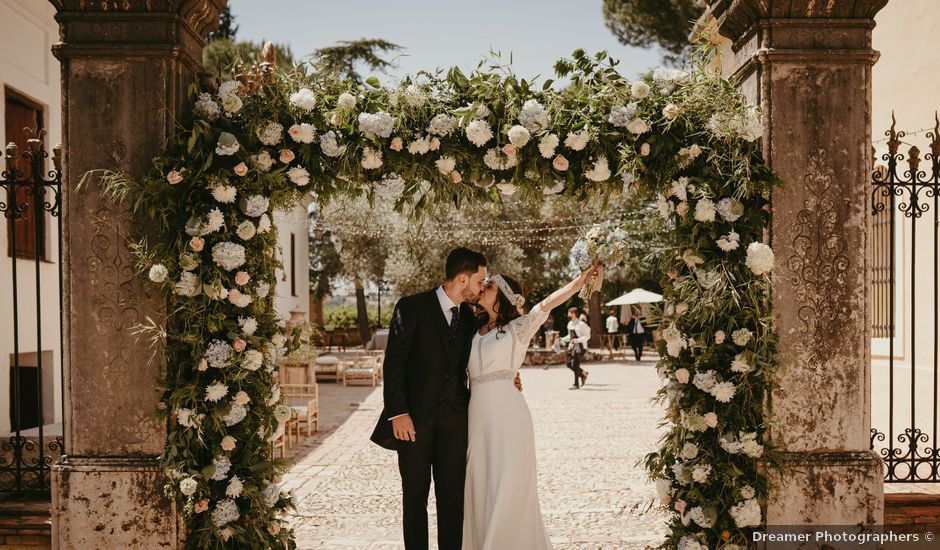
(666, 23)
(346, 317)
(342, 58)
(222, 56)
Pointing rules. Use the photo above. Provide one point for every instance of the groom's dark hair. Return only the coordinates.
(463, 260)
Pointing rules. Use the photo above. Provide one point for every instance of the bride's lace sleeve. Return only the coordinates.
(524, 327)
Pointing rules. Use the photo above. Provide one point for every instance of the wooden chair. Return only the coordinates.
(279, 443)
(327, 366)
(379, 357)
(360, 368)
(305, 400)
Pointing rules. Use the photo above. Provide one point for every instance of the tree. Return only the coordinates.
(666, 23)
(223, 56)
(343, 57)
(227, 27)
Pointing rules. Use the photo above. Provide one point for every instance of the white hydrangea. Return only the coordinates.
(304, 98)
(389, 187)
(747, 492)
(640, 89)
(235, 414)
(495, 159)
(748, 445)
(600, 171)
(621, 115)
(638, 126)
(158, 273)
(231, 104)
(697, 515)
(302, 133)
(226, 145)
(218, 353)
(746, 513)
(346, 101)
(228, 255)
(700, 473)
(705, 380)
(556, 188)
(330, 146)
(270, 133)
(206, 107)
(188, 285)
(248, 325)
(519, 136)
(678, 471)
(271, 493)
(442, 125)
(730, 209)
(741, 336)
(216, 391)
(376, 125)
(229, 87)
(445, 165)
(704, 211)
(577, 141)
(222, 466)
(750, 126)
(299, 176)
(263, 161)
(414, 96)
(234, 488)
(253, 360)
(689, 451)
(689, 543)
(189, 485)
(760, 258)
(224, 193)
(740, 363)
(533, 116)
(245, 230)
(479, 132)
(547, 145)
(255, 205)
(728, 242)
(371, 159)
(420, 146)
(723, 391)
(225, 512)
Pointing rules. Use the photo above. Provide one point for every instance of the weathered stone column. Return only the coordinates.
(808, 65)
(126, 66)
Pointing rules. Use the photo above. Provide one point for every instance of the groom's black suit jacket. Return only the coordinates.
(424, 367)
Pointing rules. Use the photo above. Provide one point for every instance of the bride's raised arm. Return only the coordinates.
(561, 295)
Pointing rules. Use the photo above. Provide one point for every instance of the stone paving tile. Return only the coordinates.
(590, 445)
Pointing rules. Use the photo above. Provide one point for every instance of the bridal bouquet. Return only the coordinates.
(605, 244)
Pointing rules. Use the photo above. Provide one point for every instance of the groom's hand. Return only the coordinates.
(403, 428)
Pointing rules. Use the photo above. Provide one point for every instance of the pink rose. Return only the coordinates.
(435, 144)
(679, 506)
(695, 151)
(560, 163)
(456, 177)
(241, 398)
(201, 506)
(711, 420)
(197, 244)
(203, 365)
(645, 149)
(274, 528)
(671, 111)
(242, 278)
(241, 169)
(510, 150)
(174, 177)
(234, 295)
(239, 344)
(682, 376)
(228, 443)
(719, 336)
(396, 144)
(161, 405)
(286, 156)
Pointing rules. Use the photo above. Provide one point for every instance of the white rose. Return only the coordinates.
(519, 136)
(760, 258)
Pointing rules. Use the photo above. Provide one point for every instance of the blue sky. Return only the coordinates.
(442, 33)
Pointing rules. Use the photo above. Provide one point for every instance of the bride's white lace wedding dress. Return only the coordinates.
(501, 503)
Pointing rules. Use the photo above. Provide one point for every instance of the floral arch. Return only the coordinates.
(258, 143)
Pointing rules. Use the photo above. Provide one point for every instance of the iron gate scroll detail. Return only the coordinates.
(26, 457)
(907, 184)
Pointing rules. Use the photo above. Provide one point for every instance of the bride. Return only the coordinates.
(501, 504)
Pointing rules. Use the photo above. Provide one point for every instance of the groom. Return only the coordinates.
(426, 398)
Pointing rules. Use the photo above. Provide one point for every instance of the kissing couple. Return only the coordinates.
(454, 411)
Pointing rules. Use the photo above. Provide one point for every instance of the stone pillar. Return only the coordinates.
(126, 66)
(808, 65)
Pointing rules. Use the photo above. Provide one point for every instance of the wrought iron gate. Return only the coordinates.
(29, 450)
(905, 308)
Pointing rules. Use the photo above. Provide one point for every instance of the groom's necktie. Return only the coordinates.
(453, 321)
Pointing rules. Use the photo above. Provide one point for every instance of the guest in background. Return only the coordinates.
(579, 334)
(637, 334)
(613, 327)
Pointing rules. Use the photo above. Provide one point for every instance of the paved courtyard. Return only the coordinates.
(593, 492)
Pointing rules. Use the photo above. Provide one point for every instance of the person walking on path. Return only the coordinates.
(637, 334)
(579, 334)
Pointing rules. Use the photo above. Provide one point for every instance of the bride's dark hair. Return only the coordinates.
(505, 311)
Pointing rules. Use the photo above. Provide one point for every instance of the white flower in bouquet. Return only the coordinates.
(234, 488)
(689, 543)
(371, 159)
(746, 513)
(255, 205)
(214, 221)
(158, 273)
(678, 470)
(376, 125)
(747, 492)
(479, 133)
(445, 165)
(248, 325)
(188, 486)
(547, 145)
(442, 125)
(700, 473)
(231, 104)
(719, 336)
(420, 146)
(740, 363)
(282, 413)
(271, 493)
(299, 176)
(640, 89)
(621, 115)
(638, 126)
(579, 255)
(495, 159)
(704, 211)
(664, 491)
(236, 414)
(330, 146)
(238, 298)
(222, 466)
(730, 209)
(226, 145)
(689, 451)
(679, 189)
(577, 141)
(245, 230)
(694, 422)
(760, 258)
(189, 261)
(556, 188)
(188, 285)
(302, 133)
(228, 87)
(749, 125)
(262, 290)
(263, 161)
(698, 516)
(723, 391)
(206, 107)
(729, 242)
(741, 336)
(665, 207)
(264, 224)
(225, 512)
(253, 360)
(692, 259)
(389, 187)
(271, 133)
(682, 209)
(645, 150)
(600, 171)
(414, 96)
(216, 391)
(519, 135)
(682, 375)
(671, 111)
(346, 101)
(533, 116)
(188, 418)
(174, 177)
(304, 98)
(705, 380)
(507, 189)
(711, 419)
(749, 445)
(228, 255)
(224, 193)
